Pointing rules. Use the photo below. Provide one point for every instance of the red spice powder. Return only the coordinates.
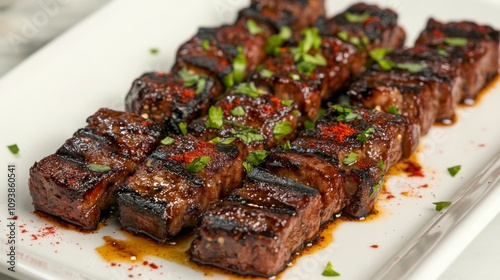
(201, 149)
(413, 169)
(187, 94)
(268, 109)
(153, 266)
(276, 101)
(375, 246)
(338, 131)
(160, 74)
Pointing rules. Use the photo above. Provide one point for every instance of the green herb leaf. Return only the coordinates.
(356, 18)
(411, 67)
(215, 116)
(248, 167)
(200, 86)
(14, 149)
(351, 158)
(441, 205)
(276, 41)
(379, 53)
(153, 51)
(287, 145)
(256, 157)
(454, 170)
(228, 80)
(98, 167)
(205, 44)
(365, 135)
(226, 141)
(167, 141)
(317, 59)
(443, 52)
(296, 77)
(238, 111)
(193, 79)
(253, 27)
(198, 164)
(239, 65)
(393, 110)
(321, 113)
(282, 128)
(376, 188)
(329, 271)
(266, 73)
(345, 114)
(183, 128)
(249, 89)
(381, 165)
(287, 102)
(343, 35)
(248, 135)
(308, 124)
(305, 68)
(456, 41)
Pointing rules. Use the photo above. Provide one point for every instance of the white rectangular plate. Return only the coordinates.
(49, 96)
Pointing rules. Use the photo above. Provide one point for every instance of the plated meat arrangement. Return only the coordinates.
(233, 143)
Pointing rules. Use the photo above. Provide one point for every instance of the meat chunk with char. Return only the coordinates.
(475, 47)
(268, 219)
(169, 99)
(175, 184)
(77, 182)
(255, 119)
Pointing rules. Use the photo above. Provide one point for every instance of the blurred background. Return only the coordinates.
(28, 25)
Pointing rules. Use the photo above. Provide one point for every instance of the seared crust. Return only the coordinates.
(69, 185)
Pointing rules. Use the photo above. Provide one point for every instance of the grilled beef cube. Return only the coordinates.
(475, 47)
(406, 94)
(246, 239)
(276, 14)
(215, 51)
(78, 181)
(257, 120)
(366, 26)
(169, 99)
(175, 184)
(265, 190)
(315, 171)
(275, 215)
(383, 136)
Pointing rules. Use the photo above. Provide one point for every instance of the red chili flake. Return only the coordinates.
(155, 85)
(268, 109)
(153, 266)
(187, 94)
(33, 237)
(413, 169)
(390, 196)
(375, 246)
(160, 74)
(437, 33)
(144, 123)
(423, 186)
(145, 263)
(481, 145)
(14, 217)
(339, 131)
(131, 276)
(276, 101)
(24, 231)
(201, 149)
(113, 264)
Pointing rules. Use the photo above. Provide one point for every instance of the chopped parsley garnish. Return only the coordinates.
(214, 120)
(378, 55)
(254, 158)
(193, 79)
(393, 110)
(441, 205)
(345, 114)
(274, 42)
(443, 52)
(183, 128)
(248, 135)
(351, 158)
(153, 51)
(226, 141)
(381, 165)
(249, 89)
(98, 167)
(296, 77)
(239, 65)
(287, 102)
(198, 164)
(456, 41)
(359, 42)
(377, 187)
(411, 67)
(167, 141)
(356, 18)
(454, 170)
(287, 145)
(308, 124)
(253, 27)
(238, 111)
(266, 73)
(205, 44)
(282, 128)
(329, 271)
(306, 63)
(365, 135)
(14, 149)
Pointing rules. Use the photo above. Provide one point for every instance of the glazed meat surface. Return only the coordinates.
(268, 219)
(77, 182)
(169, 99)
(174, 185)
(474, 47)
